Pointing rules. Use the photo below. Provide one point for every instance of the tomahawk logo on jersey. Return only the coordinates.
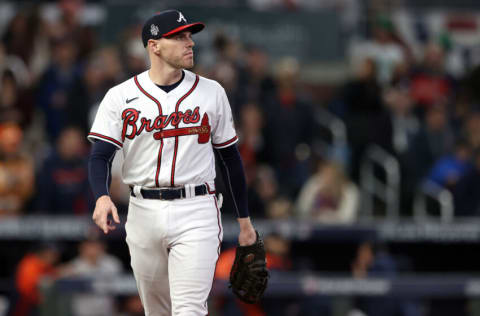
(181, 123)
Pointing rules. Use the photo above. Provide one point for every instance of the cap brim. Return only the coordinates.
(194, 28)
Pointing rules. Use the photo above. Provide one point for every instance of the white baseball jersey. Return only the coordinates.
(166, 138)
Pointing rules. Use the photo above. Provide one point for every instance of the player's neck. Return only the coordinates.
(164, 76)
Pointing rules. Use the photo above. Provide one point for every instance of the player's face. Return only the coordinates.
(177, 50)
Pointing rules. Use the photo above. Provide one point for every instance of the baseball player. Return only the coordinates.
(168, 122)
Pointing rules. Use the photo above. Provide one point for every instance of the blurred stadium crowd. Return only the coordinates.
(410, 101)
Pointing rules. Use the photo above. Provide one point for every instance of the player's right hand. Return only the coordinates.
(103, 207)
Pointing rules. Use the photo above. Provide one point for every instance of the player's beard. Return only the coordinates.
(175, 61)
(182, 62)
(187, 62)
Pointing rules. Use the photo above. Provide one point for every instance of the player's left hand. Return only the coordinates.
(103, 207)
(247, 235)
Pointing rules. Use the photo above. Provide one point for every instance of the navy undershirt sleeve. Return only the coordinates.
(100, 167)
(234, 178)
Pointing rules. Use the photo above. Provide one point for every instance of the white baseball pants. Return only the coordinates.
(174, 247)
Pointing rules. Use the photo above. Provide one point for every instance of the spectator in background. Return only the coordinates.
(31, 270)
(398, 125)
(14, 65)
(136, 60)
(252, 144)
(254, 79)
(16, 171)
(133, 54)
(226, 49)
(279, 208)
(86, 94)
(17, 101)
(70, 24)
(252, 149)
(226, 73)
(27, 44)
(384, 49)
(449, 169)
(63, 184)
(113, 67)
(431, 85)
(290, 121)
(359, 104)
(266, 188)
(434, 140)
(278, 248)
(226, 53)
(225, 69)
(328, 197)
(56, 83)
(93, 263)
(373, 260)
(16, 104)
(362, 95)
(21, 33)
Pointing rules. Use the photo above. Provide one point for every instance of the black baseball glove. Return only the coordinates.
(249, 274)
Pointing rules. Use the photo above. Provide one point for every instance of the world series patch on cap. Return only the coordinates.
(168, 23)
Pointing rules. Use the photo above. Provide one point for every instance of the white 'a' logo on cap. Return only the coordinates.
(181, 17)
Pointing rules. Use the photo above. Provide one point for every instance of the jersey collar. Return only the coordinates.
(152, 88)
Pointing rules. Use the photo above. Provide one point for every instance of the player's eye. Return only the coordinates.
(181, 36)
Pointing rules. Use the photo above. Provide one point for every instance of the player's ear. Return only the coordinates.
(154, 46)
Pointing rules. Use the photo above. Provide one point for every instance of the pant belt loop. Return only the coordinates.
(189, 190)
(137, 190)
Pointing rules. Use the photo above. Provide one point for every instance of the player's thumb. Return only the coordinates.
(115, 215)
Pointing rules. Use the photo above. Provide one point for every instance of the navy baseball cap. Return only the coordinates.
(167, 23)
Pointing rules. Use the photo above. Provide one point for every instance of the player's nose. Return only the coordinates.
(190, 42)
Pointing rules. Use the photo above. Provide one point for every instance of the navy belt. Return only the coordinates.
(169, 193)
